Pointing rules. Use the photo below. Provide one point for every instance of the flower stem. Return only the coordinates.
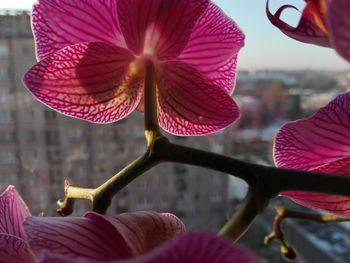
(150, 101)
(239, 223)
(274, 180)
(283, 213)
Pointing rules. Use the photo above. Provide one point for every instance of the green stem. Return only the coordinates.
(273, 180)
(105, 192)
(253, 205)
(150, 101)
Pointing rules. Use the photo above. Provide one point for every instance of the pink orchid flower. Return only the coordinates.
(320, 143)
(323, 22)
(92, 54)
(140, 237)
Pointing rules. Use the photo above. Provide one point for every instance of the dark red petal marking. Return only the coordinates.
(91, 81)
(60, 23)
(309, 29)
(159, 27)
(14, 250)
(13, 212)
(213, 47)
(92, 237)
(320, 143)
(147, 230)
(339, 24)
(189, 104)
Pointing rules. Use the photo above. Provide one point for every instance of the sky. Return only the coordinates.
(265, 46)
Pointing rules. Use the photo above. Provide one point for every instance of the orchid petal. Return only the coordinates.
(158, 27)
(192, 247)
(60, 23)
(339, 23)
(13, 212)
(321, 139)
(311, 28)
(91, 81)
(189, 104)
(14, 250)
(213, 47)
(197, 247)
(144, 231)
(92, 237)
(320, 143)
(336, 205)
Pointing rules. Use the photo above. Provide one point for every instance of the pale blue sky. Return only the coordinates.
(266, 47)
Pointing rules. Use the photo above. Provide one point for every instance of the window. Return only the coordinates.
(6, 116)
(4, 95)
(4, 50)
(79, 172)
(100, 152)
(50, 115)
(31, 136)
(216, 198)
(76, 133)
(52, 138)
(144, 203)
(8, 157)
(28, 115)
(4, 73)
(7, 136)
(26, 50)
(53, 155)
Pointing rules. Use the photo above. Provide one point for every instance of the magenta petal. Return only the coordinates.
(213, 47)
(60, 23)
(336, 205)
(90, 81)
(307, 30)
(144, 231)
(160, 27)
(197, 247)
(320, 143)
(339, 23)
(321, 139)
(189, 104)
(14, 250)
(92, 237)
(13, 212)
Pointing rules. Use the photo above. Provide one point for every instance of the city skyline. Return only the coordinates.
(266, 47)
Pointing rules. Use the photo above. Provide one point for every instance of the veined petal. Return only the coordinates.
(189, 104)
(213, 47)
(336, 205)
(192, 247)
(339, 23)
(311, 28)
(91, 81)
(197, 247)
(13, 212)
(60, 23)
(320, 143)
(14, 250)
(144, 231)
(92, 237)
(321, 139)
(159, 27)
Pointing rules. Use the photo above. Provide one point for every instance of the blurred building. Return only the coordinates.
(40, 148)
